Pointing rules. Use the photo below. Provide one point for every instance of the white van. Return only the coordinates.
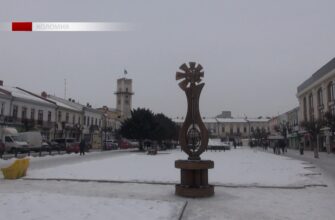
(33, 138)
(12, 141)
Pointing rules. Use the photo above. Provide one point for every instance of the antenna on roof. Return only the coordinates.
(64, 88)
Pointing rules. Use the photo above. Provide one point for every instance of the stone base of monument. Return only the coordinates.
(194, 178)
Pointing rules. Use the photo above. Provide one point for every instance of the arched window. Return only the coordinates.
(320, 97)
(311, 109)
(305, 108)
(330, 92)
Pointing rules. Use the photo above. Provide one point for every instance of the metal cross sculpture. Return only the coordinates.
(193, 136)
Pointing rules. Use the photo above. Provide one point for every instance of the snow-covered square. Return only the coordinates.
(250, 184)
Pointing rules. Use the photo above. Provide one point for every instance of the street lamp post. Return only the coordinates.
(105, 131)
(249, 129)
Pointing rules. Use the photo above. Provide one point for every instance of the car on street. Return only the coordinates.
(216, 144)
(70, 145)
(111, 145)
(2, 148)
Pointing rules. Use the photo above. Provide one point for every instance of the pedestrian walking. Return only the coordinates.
(82, 147)
(301, 148)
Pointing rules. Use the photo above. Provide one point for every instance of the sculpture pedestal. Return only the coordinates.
(194, 178)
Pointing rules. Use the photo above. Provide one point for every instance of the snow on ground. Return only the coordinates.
(44, 205)
(235, 167)
(71, 200)
(227, 204)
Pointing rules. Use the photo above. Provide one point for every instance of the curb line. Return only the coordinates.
(169, 183)
(180, 216)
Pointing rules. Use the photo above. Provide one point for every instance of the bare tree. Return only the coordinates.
(330, 123)
(314, 127)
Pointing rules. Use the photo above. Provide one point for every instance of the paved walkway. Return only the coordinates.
(325, 161)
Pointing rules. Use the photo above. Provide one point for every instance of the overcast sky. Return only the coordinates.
(254, 53)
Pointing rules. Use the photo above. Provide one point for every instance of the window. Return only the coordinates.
(127, 102)
(67, 117)
(119, 102)
(92, 121)
(15, 110)
(73, 119)
(252, 129)
(310, 101)
(245, 129)
(320, 103)
(127, 90)
(99, 122)
(40, 116)
(2, 111)
(59, 116)
(330, 92)
(238, 130)
(320, 97)
(311, 109)
(8, 139)
(24, 113)
(32, 114)
(88, 121)
(78, 120)
(96, 121)
(223, 129)
(231, 130)
(49, 116)
(84, 120)
(305, 108)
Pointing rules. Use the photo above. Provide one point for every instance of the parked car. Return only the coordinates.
(46, 146)
(216, 144)
(2, 148)
(68, 144)
(111, 145)
(54, 145)
(124, 144)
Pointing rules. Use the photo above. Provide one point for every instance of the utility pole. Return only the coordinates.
(64, 88)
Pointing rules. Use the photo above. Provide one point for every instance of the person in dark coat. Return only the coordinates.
(82, 147)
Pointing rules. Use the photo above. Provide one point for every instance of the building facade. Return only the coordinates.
(25, 111)
(316, 96)
(232, 128)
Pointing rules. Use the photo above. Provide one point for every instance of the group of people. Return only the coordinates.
(280, 145)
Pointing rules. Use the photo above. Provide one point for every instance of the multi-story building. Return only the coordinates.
(80, 121)
(26, 111)
(68, 119)
(316, 96)
(293, 128)
(232, 128)
(5, 101)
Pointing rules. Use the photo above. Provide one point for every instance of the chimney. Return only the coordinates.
(1, 83)
(70, 99)
(44, 94)
(73, 100)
